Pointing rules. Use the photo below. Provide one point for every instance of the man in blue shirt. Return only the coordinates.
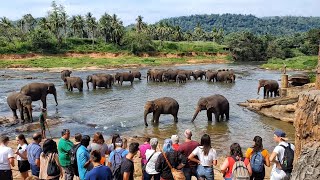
(99, 172)
(83, 157)
(34, 150)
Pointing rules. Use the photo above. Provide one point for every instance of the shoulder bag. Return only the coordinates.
(145, 165)
(177, 174)
(53, 169)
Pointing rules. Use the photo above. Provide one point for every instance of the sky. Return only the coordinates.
(155, 10)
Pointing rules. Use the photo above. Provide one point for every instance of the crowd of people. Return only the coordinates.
(86, 159)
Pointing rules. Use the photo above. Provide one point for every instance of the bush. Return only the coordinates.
(43, 41)
(138, 43)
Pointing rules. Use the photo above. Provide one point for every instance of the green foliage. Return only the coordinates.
(138, 42)
(194, 46)
(43, 41)
(297, 63)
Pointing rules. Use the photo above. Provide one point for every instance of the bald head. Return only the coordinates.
(37, 137)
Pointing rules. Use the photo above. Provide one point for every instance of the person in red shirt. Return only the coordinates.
(235, 153)
(186, 148)
(175, 142)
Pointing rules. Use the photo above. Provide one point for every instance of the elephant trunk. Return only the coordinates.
(55, 98)
(259, 89)
(145, 117)
(196, 114)
(87, 84)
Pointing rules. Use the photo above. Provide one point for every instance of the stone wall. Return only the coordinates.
(307, 136)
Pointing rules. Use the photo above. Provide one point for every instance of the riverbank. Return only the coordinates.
(295, 63)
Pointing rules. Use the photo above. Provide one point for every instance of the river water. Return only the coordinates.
(120, 109)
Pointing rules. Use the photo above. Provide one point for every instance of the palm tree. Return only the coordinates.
(178, 34)
(7, 28)
(105, 26)
(64, 22)
(91, 24)
(117, 29)
(198, 32)
(80, 25)
(5, 22)
(140, 24)
(74, 25)
(44, 24)
(162, 31)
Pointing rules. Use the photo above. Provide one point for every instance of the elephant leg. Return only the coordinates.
(94, 85)
(14, 112)
(227, 114)
(264, 92)
(153, 116)
(44, 101)
(21, 114)
(175, 116)
(209, 115)
(131, 82)
(157, 116)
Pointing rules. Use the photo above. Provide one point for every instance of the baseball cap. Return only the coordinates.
(175, 139)
(280, 134)
(187, 133)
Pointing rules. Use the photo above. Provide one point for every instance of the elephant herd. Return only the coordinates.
(181, 76)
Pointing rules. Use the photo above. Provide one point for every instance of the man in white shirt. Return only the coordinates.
(277, 156)
(6, 159)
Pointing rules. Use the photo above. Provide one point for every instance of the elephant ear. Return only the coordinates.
(210, 104)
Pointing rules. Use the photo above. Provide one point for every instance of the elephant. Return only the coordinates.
(216, 104)
(226, 76)
(100, 81)
(270, 86)
(124, 76)
(211, 75)
(22, 102)
(198, 74)
(170, 75)
(164, 105)
(155, 75)
(136, 74)
(181, 78)
(109, 77)
(39, 91)
(65, 73)
(188, 73)
(74, 82)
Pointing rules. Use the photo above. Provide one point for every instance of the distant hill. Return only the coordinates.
(284, 25)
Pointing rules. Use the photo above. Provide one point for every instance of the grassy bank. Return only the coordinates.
(86, 61)
(296, 63)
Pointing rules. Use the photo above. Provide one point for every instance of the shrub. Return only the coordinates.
(43, 41)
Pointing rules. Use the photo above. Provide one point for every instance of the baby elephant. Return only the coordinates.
(181, 78)
(21, 102)
(74, 82)
(164, 105)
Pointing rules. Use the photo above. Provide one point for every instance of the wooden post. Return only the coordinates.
(284, 81)
(318, 71)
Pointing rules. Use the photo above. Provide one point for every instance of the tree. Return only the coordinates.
(138, 42)
(217, 35)
(28, 23)
(80, 25)
(199, 34)
(140, 25)
(92, 25)
(117, 29)
(7, 29)
(178, 34)
(64, 22)
(44, 24)
(73, 25)
(105, 27)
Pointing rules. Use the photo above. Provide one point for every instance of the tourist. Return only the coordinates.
(143, 148)
(175, 158)
(83, 157)
(151, 156)
(186, 148)
(117, 154)
(99, 171)
(77, 138)
(33, 152)
(207, 158)
(258, 158)
(99, 145)
(50, 153)
(124, 143)
(127, 165)
(235, 155)
(6, 159)
(43, 122)
(175, 142)
(64, 147)
(23, 164)
(277, 156)
(113, 140)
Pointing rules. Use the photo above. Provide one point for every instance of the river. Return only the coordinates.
(120, 109)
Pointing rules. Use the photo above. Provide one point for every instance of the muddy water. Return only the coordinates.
(120, 109)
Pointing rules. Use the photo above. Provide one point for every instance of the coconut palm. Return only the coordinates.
(117, 29)
(44, 24)
(29, 23)
(105, 26)
(64, 22)
(91, 25)
(140, 24)
(7, 29)
(73, 25)
(80, 25)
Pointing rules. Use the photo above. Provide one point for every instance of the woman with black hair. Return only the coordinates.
(207, 158)
(23, 164)
(50, 152)
(256, 153)
(235, 155)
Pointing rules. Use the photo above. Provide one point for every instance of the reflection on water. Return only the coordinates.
(120, 109)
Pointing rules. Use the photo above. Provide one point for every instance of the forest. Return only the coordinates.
(246, 37)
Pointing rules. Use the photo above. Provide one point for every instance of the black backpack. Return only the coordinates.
(287, 161)
(73, 159)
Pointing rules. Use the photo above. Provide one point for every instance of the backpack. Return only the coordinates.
(239, 170)
(257, 162)
(73, 159)
(287, 161)
(116, 164)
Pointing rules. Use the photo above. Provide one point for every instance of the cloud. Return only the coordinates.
(154, 10)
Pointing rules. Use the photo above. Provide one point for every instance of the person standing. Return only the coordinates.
(186, 148)
(127, 165)
(278, 157)
(6, 159)
(175, 142)
(116, 156)
(258, 158)
(143, 148)
(50, 153)
(83, 157)
(152, 156)
(99, 145)
(99, 171)
(43, 122)
(23, 164)
(34, 150)
(64, 146)
(207, 158)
